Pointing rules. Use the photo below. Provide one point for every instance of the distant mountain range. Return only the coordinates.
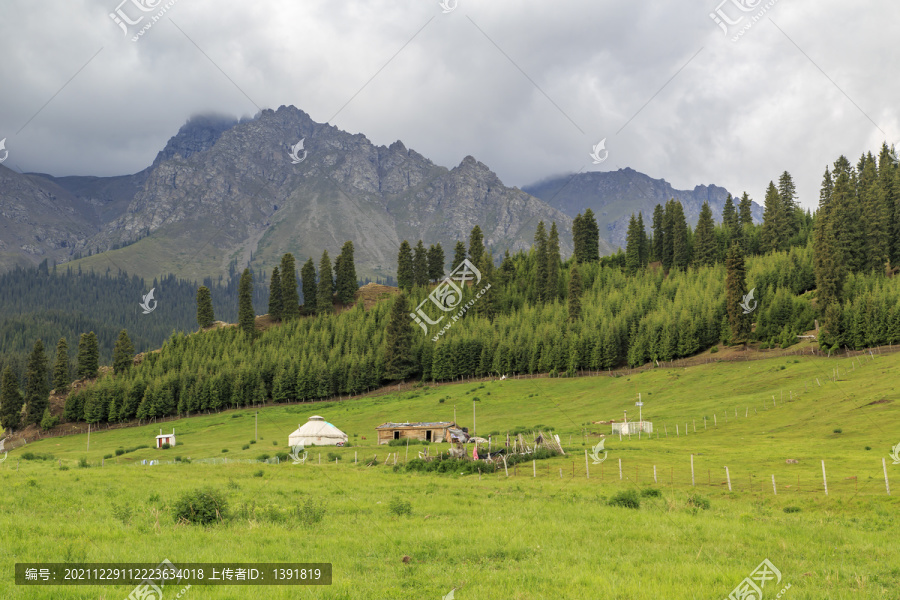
(224, 191)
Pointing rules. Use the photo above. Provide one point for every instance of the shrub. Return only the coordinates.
(252, 441)
(698, 501)
(263, 456)
(626, 499)
(107, 456)
(28, 456)
(651, 493)
(245, 447)
(202, 506)
(282, 456)
(440, 400)
(839, 430)
(309, 513)
(258, 473)
(166, 446)
(83, 463)
(63, 468)
(224, 449)
(141, 447)
(122, 513)
(791, 509)
(48, 421)
(714, 349)
(120, 452)
(274, 442)
(333, 456)
(400, 507)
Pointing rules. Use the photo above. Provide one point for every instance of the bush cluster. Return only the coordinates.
(201, 506)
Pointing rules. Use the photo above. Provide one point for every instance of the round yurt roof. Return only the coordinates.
(318, 427)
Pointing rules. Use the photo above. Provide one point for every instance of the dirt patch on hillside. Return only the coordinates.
(371, 293)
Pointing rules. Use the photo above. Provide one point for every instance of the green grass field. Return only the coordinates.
(498, 537)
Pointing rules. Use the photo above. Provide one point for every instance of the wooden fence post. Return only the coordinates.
(692, 470)
(774, 489)
(587, 471)
(620, 468)
(824, 479)
(886, 484)
(728, 477)
(654, 474)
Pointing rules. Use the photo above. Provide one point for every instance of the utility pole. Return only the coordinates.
(257, 426)
(89, 438)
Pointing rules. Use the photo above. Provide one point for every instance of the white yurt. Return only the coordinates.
(317, 431)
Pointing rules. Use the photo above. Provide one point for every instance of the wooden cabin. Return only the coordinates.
(165, 438)
(437, 431)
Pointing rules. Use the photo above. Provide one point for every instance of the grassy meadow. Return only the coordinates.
(496, 537)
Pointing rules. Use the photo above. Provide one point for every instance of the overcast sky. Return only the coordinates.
(526, 87)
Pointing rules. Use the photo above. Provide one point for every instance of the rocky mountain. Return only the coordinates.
(615, 195)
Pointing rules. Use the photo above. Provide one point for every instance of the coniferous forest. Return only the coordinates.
(672, 292)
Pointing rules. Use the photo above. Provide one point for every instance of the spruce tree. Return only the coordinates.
(578, 240)
(705, 246)
(420, 265)
(828, 268)
(845, 214)
(632, 246)
(310, 286)
(773, 227)
(88, 356)
(435, 262)
(405, 273)
(681, 252)
(346, 283)
(205, 315)
(399, 362)
(459, 255)
(11, 400)
(729, 215)
(877, 218)
(123, 353)
(290, 299)
(735, 291)
(540, 263)
(591, 236)
(787, 192)
(276, 305)
(37, 391)
(745, 210)
(485, 305)
(574, 299)
(246, 314)
(476, 245)
(325, 291)
(644, 247)
(659, 234)
(61, 367)
(553, 263)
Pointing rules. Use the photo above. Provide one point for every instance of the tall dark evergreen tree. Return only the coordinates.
(435, 262)
(540, 262)
(459, 255)
(828, 269)
(745, 211)
(574, 295)
(787, 192)
(246, 314)
(61, 367)
(476, 245)
(205, 315)
(88, 356)
(290, 299)
(591, 237)
(406, 276)
(735, 291)
(553, 264)
(705, 246)
(659, 234)
(578, 239)
(123, 353)
(677, 231)
(11, 400)
(420, 265)
(632, 246)
(346, 283)
(37, 390)
(325, 291)
(275, 290)
(730, 215)
(774, 222)
(845, 215)
(399, 361)
(310, 287)
(644, 249)
(877, 218)
(485, 305)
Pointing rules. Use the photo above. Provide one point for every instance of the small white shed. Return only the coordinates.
(165, 438)
(317, 431)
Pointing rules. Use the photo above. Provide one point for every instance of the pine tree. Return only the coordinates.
(11, 400)
(844, 212)
(591, 237)
(346, 283)
(476, 245)
(644, 246)
(398, 349)
(246, 314)
(435, 262)
(735, 291)
(308, 275)
(659, 234)
(459, 255)
(405, 275)
(681, 252)
(632, 246)
(37, 391)
(420, 265)
(578, 239)
(574, 299)
(205, 315)
(123, 353)
(787, 192)
(828, 267)
(877, 218)
(729, 214)
(61, 367)
(773, 226)
(485, 305)
(275, 301)
(705, 246)
(290, 300)
(540, 262)
(325, 291)
(745, 210)
(553, 262)
(88, 356)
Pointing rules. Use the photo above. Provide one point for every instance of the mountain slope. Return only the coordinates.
(614, 195)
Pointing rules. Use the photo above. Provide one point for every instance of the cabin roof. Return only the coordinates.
(428, 424)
